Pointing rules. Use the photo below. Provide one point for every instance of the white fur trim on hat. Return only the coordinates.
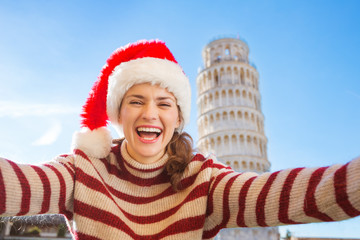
(151, 70)
(96, 143)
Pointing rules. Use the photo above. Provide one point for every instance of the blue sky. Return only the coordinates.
(306, 53)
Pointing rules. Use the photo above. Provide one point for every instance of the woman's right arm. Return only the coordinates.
(37, 189)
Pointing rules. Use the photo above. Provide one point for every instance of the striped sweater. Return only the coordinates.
(119, 198)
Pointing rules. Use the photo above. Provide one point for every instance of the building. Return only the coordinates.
(34, 227)
(305, 238)
(230, 121)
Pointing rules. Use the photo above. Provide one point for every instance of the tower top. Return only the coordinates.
(225, 49)
(227, 36)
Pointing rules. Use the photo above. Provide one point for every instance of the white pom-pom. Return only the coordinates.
(94, 143)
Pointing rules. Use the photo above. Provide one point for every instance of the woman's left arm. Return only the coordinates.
(292, 196)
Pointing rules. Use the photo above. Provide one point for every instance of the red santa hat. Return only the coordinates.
(140, 62)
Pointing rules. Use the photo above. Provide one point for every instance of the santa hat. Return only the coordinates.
(140, 62)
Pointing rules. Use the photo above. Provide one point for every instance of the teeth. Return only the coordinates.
(148, 138)
(144, 129)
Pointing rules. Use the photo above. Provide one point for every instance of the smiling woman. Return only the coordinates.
(150, 184)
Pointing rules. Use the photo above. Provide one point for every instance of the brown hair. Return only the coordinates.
(180, 150)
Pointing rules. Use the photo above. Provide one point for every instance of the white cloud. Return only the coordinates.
(50, 136)
(17, 109)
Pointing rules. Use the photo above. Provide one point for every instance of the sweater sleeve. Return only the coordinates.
(291, 196)
(37, 189)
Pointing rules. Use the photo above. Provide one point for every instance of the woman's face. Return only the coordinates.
(149, 116)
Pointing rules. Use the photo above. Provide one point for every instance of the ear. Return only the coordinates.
(180, 120)
(178, 123)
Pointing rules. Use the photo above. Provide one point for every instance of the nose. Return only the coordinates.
(150, 112)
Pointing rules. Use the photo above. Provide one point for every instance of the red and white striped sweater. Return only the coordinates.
(119, 198)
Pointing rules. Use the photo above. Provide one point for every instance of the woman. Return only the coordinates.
(149, 185)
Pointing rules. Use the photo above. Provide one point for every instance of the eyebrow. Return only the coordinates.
(136, 96)
(158, 98)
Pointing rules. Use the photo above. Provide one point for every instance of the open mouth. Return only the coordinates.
(148, 133)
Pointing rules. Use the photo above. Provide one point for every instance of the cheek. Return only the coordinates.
(123, 115)
(120, 118)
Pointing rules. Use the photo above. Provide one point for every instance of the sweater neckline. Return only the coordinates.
(146, 170)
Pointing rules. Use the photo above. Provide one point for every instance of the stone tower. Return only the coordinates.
(230, 121)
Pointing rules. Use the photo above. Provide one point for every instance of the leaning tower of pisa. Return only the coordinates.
(230, 121)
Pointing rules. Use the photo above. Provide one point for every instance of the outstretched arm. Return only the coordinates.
(31, 189)
(292, 196)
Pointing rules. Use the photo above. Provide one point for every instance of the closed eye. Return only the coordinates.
(136, 102)
(165, 105)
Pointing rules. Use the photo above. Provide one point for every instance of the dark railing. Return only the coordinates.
(31, 227)
(230, 58)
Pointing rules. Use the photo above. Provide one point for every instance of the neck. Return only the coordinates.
(135, 164)
(141, 158)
